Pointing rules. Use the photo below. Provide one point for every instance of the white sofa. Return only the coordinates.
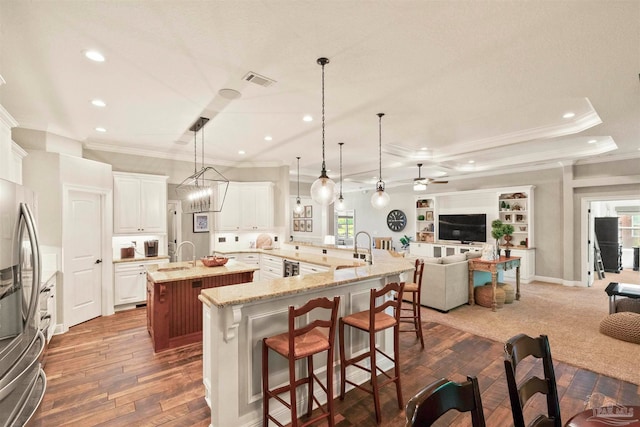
(445, 282)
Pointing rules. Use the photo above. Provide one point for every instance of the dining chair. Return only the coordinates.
(517, 349)
(372, 321)
(415, 290)
(302, 342)
(440, 397)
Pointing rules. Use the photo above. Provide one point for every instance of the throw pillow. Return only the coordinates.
(473, 254)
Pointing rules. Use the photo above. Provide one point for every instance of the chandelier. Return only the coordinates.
(206, 189)
(380, 198)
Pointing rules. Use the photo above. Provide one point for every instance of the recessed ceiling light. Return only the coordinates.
(568, 115)
(100, 129)
(592, 141)
(241, 152)
(98, 103)
(471, 162)
(94, 55)
(268, 138)
(230, 94)
(424, 148)
(307, 118)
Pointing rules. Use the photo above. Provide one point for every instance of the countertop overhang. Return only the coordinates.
(267, 289)
(175, 271)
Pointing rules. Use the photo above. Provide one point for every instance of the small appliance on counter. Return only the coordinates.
(151, 248)
(127, 251)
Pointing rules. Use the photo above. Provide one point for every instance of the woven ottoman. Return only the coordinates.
(628, 304)
(509, 292)
(624, 326)
(482, 296)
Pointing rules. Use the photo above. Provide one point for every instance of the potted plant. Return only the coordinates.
(405, 240)
(508, 230)
(497, 231)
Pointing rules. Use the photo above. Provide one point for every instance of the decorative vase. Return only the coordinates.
(507, 253)
(507, 238)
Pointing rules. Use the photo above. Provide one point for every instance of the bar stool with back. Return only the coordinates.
(302, 342)
(372, 321)
(415, 289)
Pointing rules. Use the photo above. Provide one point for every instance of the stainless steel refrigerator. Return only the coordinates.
(22, 380)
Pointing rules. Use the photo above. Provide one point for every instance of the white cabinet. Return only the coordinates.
(271, 267)
(131, 282)
(139, 203)
(306, 268)
(11, 154)
(440, 250)
(48, 316)
(248, 206)
(249, 258)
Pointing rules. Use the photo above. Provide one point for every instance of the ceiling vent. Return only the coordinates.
(258, 79)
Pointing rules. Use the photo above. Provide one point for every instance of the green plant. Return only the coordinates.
(508, 229)
(497, 229)
(405, 240)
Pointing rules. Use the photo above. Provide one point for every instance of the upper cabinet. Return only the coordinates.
(139, 203)
(248, 206)
(10, 153)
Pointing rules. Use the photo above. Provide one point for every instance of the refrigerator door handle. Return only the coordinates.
(26, 214)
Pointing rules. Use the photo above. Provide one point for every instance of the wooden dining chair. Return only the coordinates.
(517, 349)
(414, 289)
(372, 321)
(303, 342)
(441, 396)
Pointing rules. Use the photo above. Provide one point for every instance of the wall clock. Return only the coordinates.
(396, 220)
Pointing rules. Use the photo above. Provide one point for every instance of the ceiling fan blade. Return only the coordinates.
(433, 181)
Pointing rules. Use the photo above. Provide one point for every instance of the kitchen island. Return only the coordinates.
(236, 318)
(174, 315)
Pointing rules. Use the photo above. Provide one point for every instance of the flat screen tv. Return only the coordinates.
(463, 228)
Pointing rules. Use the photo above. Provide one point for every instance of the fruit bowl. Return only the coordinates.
(214, 261)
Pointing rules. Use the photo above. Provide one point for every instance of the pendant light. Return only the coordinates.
(323, 188)
(340, 202)
(380, 198)
(298, 208)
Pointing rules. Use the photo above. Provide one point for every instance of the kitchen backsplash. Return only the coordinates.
(237, 241)
(119, 242)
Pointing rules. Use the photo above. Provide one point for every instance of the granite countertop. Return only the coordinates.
(174, 271)
(323, 260)
(266, 289)
(138, 259)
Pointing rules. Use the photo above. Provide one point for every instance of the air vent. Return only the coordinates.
(258, 79)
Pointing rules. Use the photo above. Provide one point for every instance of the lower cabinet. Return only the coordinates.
(271, 267)
(437, 250)
(306, 268)
(130, 280)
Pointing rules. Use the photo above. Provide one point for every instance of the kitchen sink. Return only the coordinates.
(176, 268)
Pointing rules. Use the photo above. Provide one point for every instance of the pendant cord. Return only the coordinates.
(323, 163)
(341, 144)
(298, 177)
(203, 147)
(380, 145)
(195, 151)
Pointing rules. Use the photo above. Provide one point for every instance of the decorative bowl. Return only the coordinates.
(214, 261)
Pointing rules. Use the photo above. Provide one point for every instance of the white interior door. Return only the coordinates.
(83, 284)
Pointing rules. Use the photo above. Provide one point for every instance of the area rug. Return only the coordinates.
(569, 316)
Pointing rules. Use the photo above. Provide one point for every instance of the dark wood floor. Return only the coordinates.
(104, 373)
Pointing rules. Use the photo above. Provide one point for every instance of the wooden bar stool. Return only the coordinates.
(302, 343)
(415, 290)
(372, 321)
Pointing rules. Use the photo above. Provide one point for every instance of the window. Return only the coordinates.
(345, 227)
(629, 229)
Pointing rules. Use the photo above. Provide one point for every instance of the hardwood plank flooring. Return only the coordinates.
(104, 373)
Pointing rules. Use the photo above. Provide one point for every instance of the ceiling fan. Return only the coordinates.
(420, 183)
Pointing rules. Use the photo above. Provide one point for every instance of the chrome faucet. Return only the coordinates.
(193, 261)
(369, 257)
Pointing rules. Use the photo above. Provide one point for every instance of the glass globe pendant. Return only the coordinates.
(380, 198)
(323, 188)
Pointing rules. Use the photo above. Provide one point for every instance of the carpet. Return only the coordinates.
(569, 316)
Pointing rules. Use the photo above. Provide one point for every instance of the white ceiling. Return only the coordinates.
(487, 81)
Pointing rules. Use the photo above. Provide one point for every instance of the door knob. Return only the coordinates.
(98, 261)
